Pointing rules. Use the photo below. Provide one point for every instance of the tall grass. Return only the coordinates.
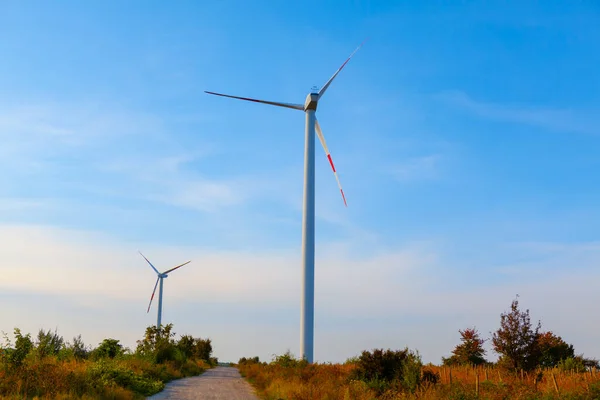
(302, 381)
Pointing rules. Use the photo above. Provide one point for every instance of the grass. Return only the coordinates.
(50, 368)
(302, 381)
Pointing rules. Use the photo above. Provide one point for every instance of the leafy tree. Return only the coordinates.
(186, 345)
(79, 348)
(470, 351)
(195, 347)
(202, 349)
(109, 348)
(159, 344)
(23, 346)
(553, 349)
(516, 341)
(48, 343)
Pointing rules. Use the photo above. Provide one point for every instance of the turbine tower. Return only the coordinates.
(308, 216)
(160, 278)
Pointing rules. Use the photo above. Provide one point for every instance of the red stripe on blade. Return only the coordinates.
(330, 162)
(344, 197)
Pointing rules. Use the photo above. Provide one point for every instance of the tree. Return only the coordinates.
(109, 348)
(202, 349)
(48, 343)
(79, 349)
(516, 341)
(159, 344)
(23, 346)
(553, 349)
(470, 351)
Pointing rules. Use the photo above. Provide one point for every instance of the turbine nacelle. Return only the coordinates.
(311, 101)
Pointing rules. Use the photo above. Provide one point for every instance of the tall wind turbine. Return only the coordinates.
(160, 278)
(308, 216)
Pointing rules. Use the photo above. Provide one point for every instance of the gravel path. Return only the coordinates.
(216, 383)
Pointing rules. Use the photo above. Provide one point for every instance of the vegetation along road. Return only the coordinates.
(216, 383)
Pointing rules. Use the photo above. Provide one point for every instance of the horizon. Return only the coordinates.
(465, 137)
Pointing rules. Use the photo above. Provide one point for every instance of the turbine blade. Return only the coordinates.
(272, 103)
(324, 144)
(152, 297)
(179, 266)
(148, 261)
(324, 88)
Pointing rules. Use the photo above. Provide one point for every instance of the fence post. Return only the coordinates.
(477, 383)
(555, 384)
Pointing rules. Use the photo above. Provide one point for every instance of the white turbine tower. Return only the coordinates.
(308, 216)
(160, 278)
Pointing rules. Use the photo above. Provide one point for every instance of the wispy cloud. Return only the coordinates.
(555, 119)
(116, 154)
(396, 291)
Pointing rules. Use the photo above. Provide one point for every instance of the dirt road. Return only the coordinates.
(217, 383)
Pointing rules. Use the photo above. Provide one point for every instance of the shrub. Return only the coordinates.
(470, 351)
(572, 364)
(48, 343)
(381, 365)
(109, 348)
(23, 345)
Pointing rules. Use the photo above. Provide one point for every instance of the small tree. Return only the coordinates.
(109, 348)
(79, 349)
(553, 349)
(385, 369)
(48, 343)
(470, 351)
(23, 346)
(158, 343)
(516, 341)
(202, 349)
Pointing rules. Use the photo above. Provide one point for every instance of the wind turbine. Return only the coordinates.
(160, 278)
(308, 216)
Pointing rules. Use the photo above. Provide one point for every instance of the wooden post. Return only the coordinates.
(477, 384)
(486, 374)
(555, 384)
(499, 376)
(450, 376)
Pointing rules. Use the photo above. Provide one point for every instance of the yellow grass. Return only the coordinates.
(327, 381)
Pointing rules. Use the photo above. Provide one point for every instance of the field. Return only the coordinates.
(300, 381)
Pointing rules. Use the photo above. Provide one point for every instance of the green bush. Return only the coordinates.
(384, 370)
(109, 373)
(572, 364)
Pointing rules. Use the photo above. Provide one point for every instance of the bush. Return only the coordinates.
(109, 348)
(253, 360)
(572, 364)
(387, 370)
(109, 373)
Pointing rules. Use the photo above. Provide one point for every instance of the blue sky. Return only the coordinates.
(465, 135)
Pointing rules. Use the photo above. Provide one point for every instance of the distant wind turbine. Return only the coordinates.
(160, 278)
(308, 217)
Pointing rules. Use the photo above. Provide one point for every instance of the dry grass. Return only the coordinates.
(326, 381)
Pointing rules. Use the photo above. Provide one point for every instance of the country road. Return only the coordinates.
(217, 383)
